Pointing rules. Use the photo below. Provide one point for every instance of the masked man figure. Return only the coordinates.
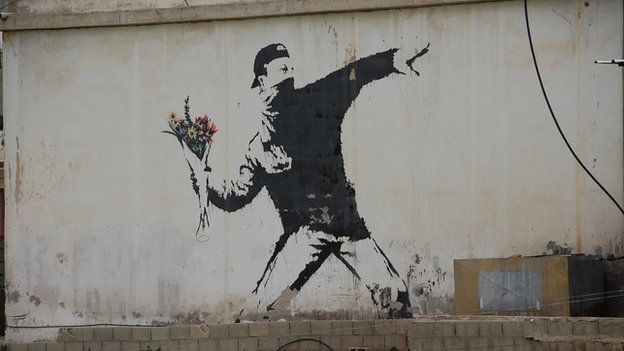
(297, 156)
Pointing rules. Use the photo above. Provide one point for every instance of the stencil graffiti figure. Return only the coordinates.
(297, 156)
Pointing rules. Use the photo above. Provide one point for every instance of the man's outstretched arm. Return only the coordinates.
(339, 88)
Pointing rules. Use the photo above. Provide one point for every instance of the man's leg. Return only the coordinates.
(372, 266)
(295, 258)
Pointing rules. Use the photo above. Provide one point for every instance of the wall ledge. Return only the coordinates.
(235, 11)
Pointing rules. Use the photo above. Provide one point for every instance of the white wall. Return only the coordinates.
(461, 162)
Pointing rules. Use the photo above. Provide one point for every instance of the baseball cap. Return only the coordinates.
(266, 55)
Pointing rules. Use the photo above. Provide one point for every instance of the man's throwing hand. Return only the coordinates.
(410, 61)
(404, 58)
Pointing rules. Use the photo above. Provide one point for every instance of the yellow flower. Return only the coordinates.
(174, 120)
(192, 132)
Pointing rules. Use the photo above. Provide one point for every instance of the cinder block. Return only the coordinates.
(455, 343)
(180, 332)
(403, 326)
(584, 328)
(385, 327)
(413, 344)
(36, 346)
(363, 327)
(502, 342)
(610, 327)
(65, 334)
(288, 343)
(309, 345)
(247, 344)
(595, 346)
(102, 333)
(565, 346)
(513, 329)
(433, 344)
(559, 327)
(442, 329)
(150, 345)
(160, 334)
(373, 342)
(219, 331)
(300, 328)
(333, 341)
(348, 341)
(279, 328)
(189, 345)
(259, 329)
(169, 345)
(490, 329)
(419, 330)
(466, 328)
(395, 340)
(320, 327)
(238, 330)
(75, 334)
(342, 327)
(535, 327)
(122, 334)
(208, 345)
(18, 347)
(267, 343)
(141, 334)
(111, 346)
(199, 331)
(227, 345)
(522, 344)
(84, 334)
(92, 346)
(478, 343)
(73, 346)
(54, 346)
(130, 346)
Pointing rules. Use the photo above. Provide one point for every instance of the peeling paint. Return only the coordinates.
(553, 248)
(61, 257)
(35, 300)
(14, 296)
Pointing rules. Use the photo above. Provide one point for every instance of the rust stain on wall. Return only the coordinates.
(18, 171)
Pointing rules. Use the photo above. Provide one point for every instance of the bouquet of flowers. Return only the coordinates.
(198, 135)
(195, 138)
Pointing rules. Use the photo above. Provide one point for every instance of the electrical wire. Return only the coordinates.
(304, 339)
(610, 294)
(552, 113)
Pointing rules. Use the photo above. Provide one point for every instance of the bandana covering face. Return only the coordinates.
(268, 95)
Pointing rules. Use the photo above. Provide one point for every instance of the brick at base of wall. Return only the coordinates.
(481, 333)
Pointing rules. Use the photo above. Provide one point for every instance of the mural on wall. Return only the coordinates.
(297, 156)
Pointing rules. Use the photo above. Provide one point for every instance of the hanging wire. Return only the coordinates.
(552, 113)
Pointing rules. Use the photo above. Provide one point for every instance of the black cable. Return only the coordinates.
(83, 326)
(305, 339)
(8, 4)
(552, 113)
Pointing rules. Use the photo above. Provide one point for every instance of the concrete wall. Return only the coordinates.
(459, 162)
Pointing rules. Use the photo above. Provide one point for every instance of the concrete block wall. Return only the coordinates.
(473, 333)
